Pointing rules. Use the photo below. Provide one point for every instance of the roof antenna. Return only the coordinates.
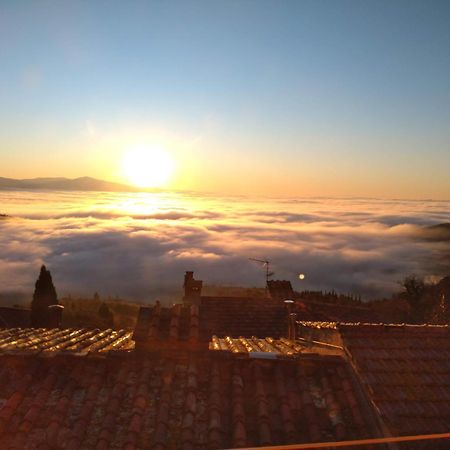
(267, 264)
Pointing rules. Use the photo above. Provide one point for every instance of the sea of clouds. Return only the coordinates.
(137, 246)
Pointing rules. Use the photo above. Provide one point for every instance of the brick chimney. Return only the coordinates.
(192, 289)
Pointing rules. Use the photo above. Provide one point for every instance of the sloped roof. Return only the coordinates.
(14, 317)
(332, 312)
(232, 317)
(68, 340)
(180, 323)
(78, 388)
(256, 347)
(280, 288)
(235, 316)
(229, 316)
(136, 401)
(407, 371)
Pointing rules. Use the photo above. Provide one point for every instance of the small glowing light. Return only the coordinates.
(302, 276)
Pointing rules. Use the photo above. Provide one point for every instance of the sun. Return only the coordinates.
(147, 166)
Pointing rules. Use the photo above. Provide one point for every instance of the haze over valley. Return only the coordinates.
(138, 245)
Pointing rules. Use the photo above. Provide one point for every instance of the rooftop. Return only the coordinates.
(130, 401)
(202, 379)
(404, 368)
(80, 342)
(222, 316)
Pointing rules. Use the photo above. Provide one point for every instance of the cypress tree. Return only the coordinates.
(44, 296)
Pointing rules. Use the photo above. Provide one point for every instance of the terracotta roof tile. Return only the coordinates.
(267, 316)
(220, 316)
(406, 371)
(201, 402)
(48, 342)
(159, 325)
(254, 347)
(234, 316)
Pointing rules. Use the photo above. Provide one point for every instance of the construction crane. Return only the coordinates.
(266, 263)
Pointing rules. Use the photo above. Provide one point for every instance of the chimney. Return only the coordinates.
(192, 289)
(291, 320)
(188, 277)
(54, 316)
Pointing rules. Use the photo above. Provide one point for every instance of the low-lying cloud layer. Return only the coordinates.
(137, 246)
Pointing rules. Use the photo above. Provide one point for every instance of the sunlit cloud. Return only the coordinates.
(138, 246)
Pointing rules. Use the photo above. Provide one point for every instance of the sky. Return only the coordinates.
(288, 98)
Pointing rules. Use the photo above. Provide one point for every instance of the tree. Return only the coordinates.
(415, 290)
(44, 296)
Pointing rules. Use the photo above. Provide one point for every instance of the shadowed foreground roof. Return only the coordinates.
(129, 401)
(407, 371)
(87, 388)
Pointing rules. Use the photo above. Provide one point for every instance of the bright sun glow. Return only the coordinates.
(147, 167)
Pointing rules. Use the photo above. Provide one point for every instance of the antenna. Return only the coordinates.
(265, 263)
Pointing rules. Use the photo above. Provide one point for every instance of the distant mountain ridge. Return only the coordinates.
(65, 184)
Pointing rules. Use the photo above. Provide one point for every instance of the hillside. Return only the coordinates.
(440, 232)
(64, 184)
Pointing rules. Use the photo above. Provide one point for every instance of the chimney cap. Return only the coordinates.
(55, 307)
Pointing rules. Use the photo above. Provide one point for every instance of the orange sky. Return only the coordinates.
(293, 98)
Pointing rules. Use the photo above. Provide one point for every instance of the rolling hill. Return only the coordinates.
(64, 184)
